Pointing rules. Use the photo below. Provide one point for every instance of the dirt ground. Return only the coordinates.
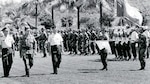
(76, 69)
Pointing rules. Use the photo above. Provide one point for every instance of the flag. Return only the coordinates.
(104, 44)
(132, 13)
(120, 8)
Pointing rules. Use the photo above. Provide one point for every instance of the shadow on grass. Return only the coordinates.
(12, 76)
(24, 76)
(133, 70)
(88, 70)
(99, 60)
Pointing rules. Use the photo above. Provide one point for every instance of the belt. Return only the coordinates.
(54, 45)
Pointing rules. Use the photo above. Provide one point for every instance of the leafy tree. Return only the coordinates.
(107, 19)
(67, 21)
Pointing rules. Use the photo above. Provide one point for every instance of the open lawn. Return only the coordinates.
(77, 69)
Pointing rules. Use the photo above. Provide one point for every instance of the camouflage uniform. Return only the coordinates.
(27, 46)
(142, 49)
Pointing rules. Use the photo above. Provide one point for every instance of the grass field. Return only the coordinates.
(77, 69)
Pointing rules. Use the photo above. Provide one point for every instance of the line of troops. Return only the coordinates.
(76, 42)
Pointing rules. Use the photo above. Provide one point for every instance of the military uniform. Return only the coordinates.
(74, 42)
(147, 35)
(103, 53)
(80, 42)
(27, 51)
(85, 43)
(142, 49)
(42, 41)
(70, 40)
(92, 43)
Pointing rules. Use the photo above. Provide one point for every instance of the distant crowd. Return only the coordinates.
(123, 41)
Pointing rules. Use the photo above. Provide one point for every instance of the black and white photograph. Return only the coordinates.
(74, 41)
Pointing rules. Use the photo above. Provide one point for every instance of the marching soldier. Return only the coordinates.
(92, 43)
(27, 50)
(133, 39)
(55, 41)
(7, 46)
(70, 41)
(80, 42)
(147, 35)
(74, 42)
(103, 52)
(85, 42)
(142, 49)
(42, 39)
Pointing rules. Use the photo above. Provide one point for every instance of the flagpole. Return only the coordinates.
(101, 12)
(36, 19)
(52, 13)
(78, 17)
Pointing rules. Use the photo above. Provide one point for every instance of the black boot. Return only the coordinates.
(27, 73)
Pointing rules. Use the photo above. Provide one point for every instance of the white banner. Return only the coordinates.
(104, 44)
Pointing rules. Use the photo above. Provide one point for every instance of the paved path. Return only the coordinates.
(77, 69)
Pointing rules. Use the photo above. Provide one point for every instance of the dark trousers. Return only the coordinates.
(104, 58)
(65, 45)
(103, 54)
(80, 47)
(142, 57)
(119, 50)
(112, 46)
(28, 62)
(56, 57)
(133, 47)
(93, 47)
(7, 61)
(126, 50)
(42, 47)
(75, 48)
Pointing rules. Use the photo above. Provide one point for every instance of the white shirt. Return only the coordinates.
(7, 41)
(55, 39)
(134, 36)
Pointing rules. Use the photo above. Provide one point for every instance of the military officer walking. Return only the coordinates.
(42, 41)
(56, 44)
(142, 49)
(103, 52)
(6, 43)
(27, 50)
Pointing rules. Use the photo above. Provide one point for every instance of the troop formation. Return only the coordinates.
(126, 43)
